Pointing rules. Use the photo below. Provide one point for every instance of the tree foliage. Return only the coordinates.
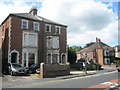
(72, 53)
(116, 61)
(88, 44)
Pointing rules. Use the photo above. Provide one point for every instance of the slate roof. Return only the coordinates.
(96, 45)
(33, 17)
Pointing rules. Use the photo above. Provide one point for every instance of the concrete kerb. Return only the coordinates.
(83, 74)
(77, 75)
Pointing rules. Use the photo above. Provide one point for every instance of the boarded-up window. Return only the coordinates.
(55, 59)
(55, 41)
(32, 40)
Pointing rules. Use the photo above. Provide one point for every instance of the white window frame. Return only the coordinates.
(49, 27)
(105, 53)
(24, 39)
(22, 24)
(106, 59)
(34, 26)
(23, 59)
(59, 29)
(27, 59)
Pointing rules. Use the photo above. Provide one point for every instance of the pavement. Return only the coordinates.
(10, 81)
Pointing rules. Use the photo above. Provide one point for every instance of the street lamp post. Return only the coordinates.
(85, 55)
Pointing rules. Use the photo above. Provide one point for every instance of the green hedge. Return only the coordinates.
(95, 66)
(117, 61)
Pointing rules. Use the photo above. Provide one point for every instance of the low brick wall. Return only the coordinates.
(109, 65)
(54, 70)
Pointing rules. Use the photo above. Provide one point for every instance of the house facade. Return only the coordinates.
(27, 38)
(117, 52)
(98, 52)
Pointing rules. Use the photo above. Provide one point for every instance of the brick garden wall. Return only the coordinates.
(54, 70)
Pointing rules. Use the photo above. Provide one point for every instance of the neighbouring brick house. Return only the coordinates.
(99, 52)
(27, 38)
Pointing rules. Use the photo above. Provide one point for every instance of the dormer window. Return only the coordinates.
(24, 24)
(48, 28)
(57, 30)
(36, 26)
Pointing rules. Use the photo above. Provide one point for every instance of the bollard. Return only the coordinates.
(41, 69)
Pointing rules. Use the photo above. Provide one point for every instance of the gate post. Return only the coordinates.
(41, 69)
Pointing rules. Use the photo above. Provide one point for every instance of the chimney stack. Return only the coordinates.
(33, 11)
(98, 40)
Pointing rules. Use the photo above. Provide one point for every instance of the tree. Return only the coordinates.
(88, 44)
(76, 48)
(72, 53)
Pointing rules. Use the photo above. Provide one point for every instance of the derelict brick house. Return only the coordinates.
(30, 39)
(99, 52)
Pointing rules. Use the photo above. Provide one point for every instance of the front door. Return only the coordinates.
(14, 57)
(31, 59)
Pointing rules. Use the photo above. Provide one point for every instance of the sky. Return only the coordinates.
(86, 19)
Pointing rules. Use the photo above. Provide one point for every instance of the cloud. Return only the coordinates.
(16, 6)
(108, 34)
(86, 20)
(13, 7)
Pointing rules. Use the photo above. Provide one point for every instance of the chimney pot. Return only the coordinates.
(98, 40)
(33, 11)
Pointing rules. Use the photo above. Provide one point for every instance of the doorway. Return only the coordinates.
(63, 58)
(31, 59)
(14, 57)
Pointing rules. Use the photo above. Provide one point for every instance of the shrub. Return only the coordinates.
(95, 66)
(98, 66)
(117, 61)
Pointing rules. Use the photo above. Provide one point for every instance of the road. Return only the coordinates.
(78, 82)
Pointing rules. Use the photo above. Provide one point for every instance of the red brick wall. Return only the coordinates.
(16, 36)
(63, 40)
(5, 34)
(5, 41)
(41, 43)
(100, 56)
(54, 70)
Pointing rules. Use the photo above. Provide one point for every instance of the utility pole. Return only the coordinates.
(85, 55)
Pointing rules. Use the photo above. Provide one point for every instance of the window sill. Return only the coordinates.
(30, 46)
